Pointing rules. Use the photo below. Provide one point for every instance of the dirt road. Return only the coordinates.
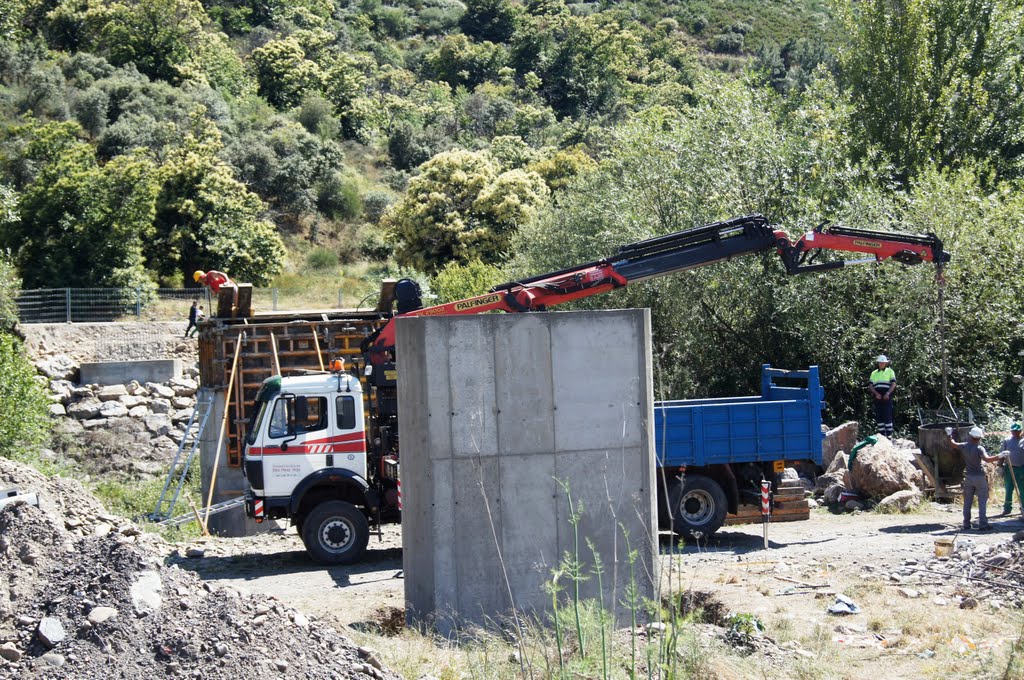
(859, 555)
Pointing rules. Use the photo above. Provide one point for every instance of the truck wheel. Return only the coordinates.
(698, 506)
(335, 532)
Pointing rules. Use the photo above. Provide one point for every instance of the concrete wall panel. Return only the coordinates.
(531, 400)
(470, 355)
(522, 377)
(120, 372)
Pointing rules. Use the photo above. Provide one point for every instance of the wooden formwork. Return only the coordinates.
(302, 341)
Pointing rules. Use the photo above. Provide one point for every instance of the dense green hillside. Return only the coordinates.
(318, 143)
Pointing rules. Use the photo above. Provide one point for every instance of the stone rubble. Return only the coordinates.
(974, 575)
(77, 603)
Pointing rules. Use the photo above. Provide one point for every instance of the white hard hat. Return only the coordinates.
(977, 432)
(882, 359)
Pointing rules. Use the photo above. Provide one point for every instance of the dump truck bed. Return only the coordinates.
(783, 423)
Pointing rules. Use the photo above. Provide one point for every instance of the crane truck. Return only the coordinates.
(323, 452)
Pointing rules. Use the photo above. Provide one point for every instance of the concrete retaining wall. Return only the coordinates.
(231, 482)
(122, 372)
(495, 411)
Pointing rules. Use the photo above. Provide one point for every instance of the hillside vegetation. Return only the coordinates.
(328, 143)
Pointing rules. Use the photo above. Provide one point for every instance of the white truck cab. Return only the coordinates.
(305, 459)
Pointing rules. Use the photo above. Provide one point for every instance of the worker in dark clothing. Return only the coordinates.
(975, 482)
(883, 384)
(192, 312)
(1013, 468)
(199, 317)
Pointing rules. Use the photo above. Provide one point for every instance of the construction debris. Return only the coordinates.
(78, 602)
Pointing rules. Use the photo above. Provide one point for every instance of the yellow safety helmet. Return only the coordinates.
(198, 275)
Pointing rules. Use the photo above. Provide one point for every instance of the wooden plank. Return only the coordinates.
(924, 462)
(733, 521)
(387, 294)
(226, 302)
(244, 305)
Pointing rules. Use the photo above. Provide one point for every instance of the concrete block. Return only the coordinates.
(123, 372)
(496, 411)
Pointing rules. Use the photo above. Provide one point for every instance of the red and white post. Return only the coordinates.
(766, 508)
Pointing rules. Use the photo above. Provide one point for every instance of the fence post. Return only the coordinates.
(67, 303)
(274, 294)
(339, 298)
(138, 302)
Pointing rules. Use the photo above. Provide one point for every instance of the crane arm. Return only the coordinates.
(670, 254)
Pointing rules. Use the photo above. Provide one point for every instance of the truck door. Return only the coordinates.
(288, 456)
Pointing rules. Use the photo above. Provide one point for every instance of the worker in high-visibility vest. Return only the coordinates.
(1013, 468)
(883, 384)
(214, 280)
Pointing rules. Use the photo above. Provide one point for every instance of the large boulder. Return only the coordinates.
(112, 392)
(184, 387)
(880, 470)
(85, 409)
(838, 439)
(59, 367)
(113, 409)
(901, 500)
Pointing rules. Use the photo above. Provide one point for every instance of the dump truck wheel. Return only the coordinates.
(698, 507)
(335, 532)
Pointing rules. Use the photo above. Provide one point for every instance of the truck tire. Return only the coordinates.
(697, 506)
(335, 532)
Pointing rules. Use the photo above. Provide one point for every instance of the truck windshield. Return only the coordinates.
(254, 423)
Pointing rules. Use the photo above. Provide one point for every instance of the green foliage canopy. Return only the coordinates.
(460, 208)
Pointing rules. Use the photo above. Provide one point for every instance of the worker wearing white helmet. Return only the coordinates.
(883, 384)
(975, 481)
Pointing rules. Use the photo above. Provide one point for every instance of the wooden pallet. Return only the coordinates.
(789, 505)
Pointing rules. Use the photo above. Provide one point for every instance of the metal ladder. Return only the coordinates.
(179, 468)
(216, 508)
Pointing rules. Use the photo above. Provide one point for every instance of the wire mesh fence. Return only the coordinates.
(95, 305)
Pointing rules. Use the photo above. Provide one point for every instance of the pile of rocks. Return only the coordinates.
(147, 422)
(974, 574)
(882, 473)
(85, 594)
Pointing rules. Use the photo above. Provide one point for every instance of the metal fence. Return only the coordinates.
(92, 305)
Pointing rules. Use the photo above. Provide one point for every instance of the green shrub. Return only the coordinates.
(456, 281)
(375, 246)
(338, 198)
(321, 258)
(24, 423)
(375, 203)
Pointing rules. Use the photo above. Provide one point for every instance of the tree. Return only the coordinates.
(158, 36)
(459, 208)
(82, 224)
(937, 79)
(493, 20)
(206, 219)
(284, 74)
(24, 421)
(10, 282)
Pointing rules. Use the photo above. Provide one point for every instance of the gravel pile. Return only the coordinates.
(86, 595)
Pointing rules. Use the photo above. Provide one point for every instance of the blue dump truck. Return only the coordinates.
(713, 453)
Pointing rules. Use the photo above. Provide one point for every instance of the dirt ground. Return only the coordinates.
(788, 588)
(115, 341)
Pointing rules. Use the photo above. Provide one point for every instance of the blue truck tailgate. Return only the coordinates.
(783, 423)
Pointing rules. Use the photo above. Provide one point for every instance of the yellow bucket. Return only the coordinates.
(943, 547)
